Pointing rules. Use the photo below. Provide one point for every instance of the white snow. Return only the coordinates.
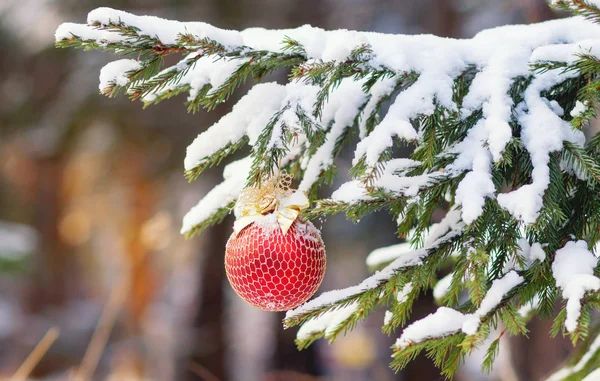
(594, 376)
(199, 72)
(247, 118)
(537, 252)
(500, 287)
(340, 110)
(442, 287)
(443, 322)
(167, 31)
(542, 133)
(386, 254)
(477, 184)
(387, 318)
(409, 259)
(578, 109)
(327, 322)
(116, 73)
(573, 271)
(451, 222)
(391, 179)
(220, 196)
(350, 192)
(526, 309)
(501, 55)
(529, 255)
(567, 53)
(378, 91)
(446, 321)
(403, 294)
(66, 31)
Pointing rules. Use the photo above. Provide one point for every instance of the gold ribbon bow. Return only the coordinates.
(272, 196)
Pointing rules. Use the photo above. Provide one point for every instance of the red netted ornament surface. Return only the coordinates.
(272, 270)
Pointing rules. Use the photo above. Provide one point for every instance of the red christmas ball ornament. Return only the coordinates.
(275, 271)
(274, 260)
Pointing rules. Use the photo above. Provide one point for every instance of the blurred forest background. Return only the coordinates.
(92, 194)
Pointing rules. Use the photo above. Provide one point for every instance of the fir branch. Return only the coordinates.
(584, 8)
(216, 218)
(215, 159)
(584, 164)
(385, 282)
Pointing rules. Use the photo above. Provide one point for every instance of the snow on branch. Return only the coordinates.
(573, 271)
(446, 321)
(333, 303)
(219, 201)
(369, 68)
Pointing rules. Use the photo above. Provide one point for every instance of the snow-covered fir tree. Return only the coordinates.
(496, 124)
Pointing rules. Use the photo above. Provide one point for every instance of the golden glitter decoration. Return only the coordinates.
(265, 196)
(272, 195)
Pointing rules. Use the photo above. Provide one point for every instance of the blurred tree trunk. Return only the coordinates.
(537, 11)
(208, 350)
(287, 357)
(53, 273)
(446, 20)
(143, 279)
(525, 351)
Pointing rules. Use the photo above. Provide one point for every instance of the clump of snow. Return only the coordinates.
(579, 108)
(117, 73)
(392, 179)
(220, 196)
(409, 259)
(542, 133)
(442, 287)
(387, 254)
(443, 322)
(387, 318)
(451, 222)
(403, 294)
(167, 31)
(573, 271)
(247, 118)
(500, 287)
(350, 192)
(537, 252)
(340, 110)
(251, 113)
(447, 321)
(327, 322)
(380, 90)
(68, 30)
(528, 253)
(567, 53)
(197, 72)
(526, 309)
(477, 184)
(594, 376)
